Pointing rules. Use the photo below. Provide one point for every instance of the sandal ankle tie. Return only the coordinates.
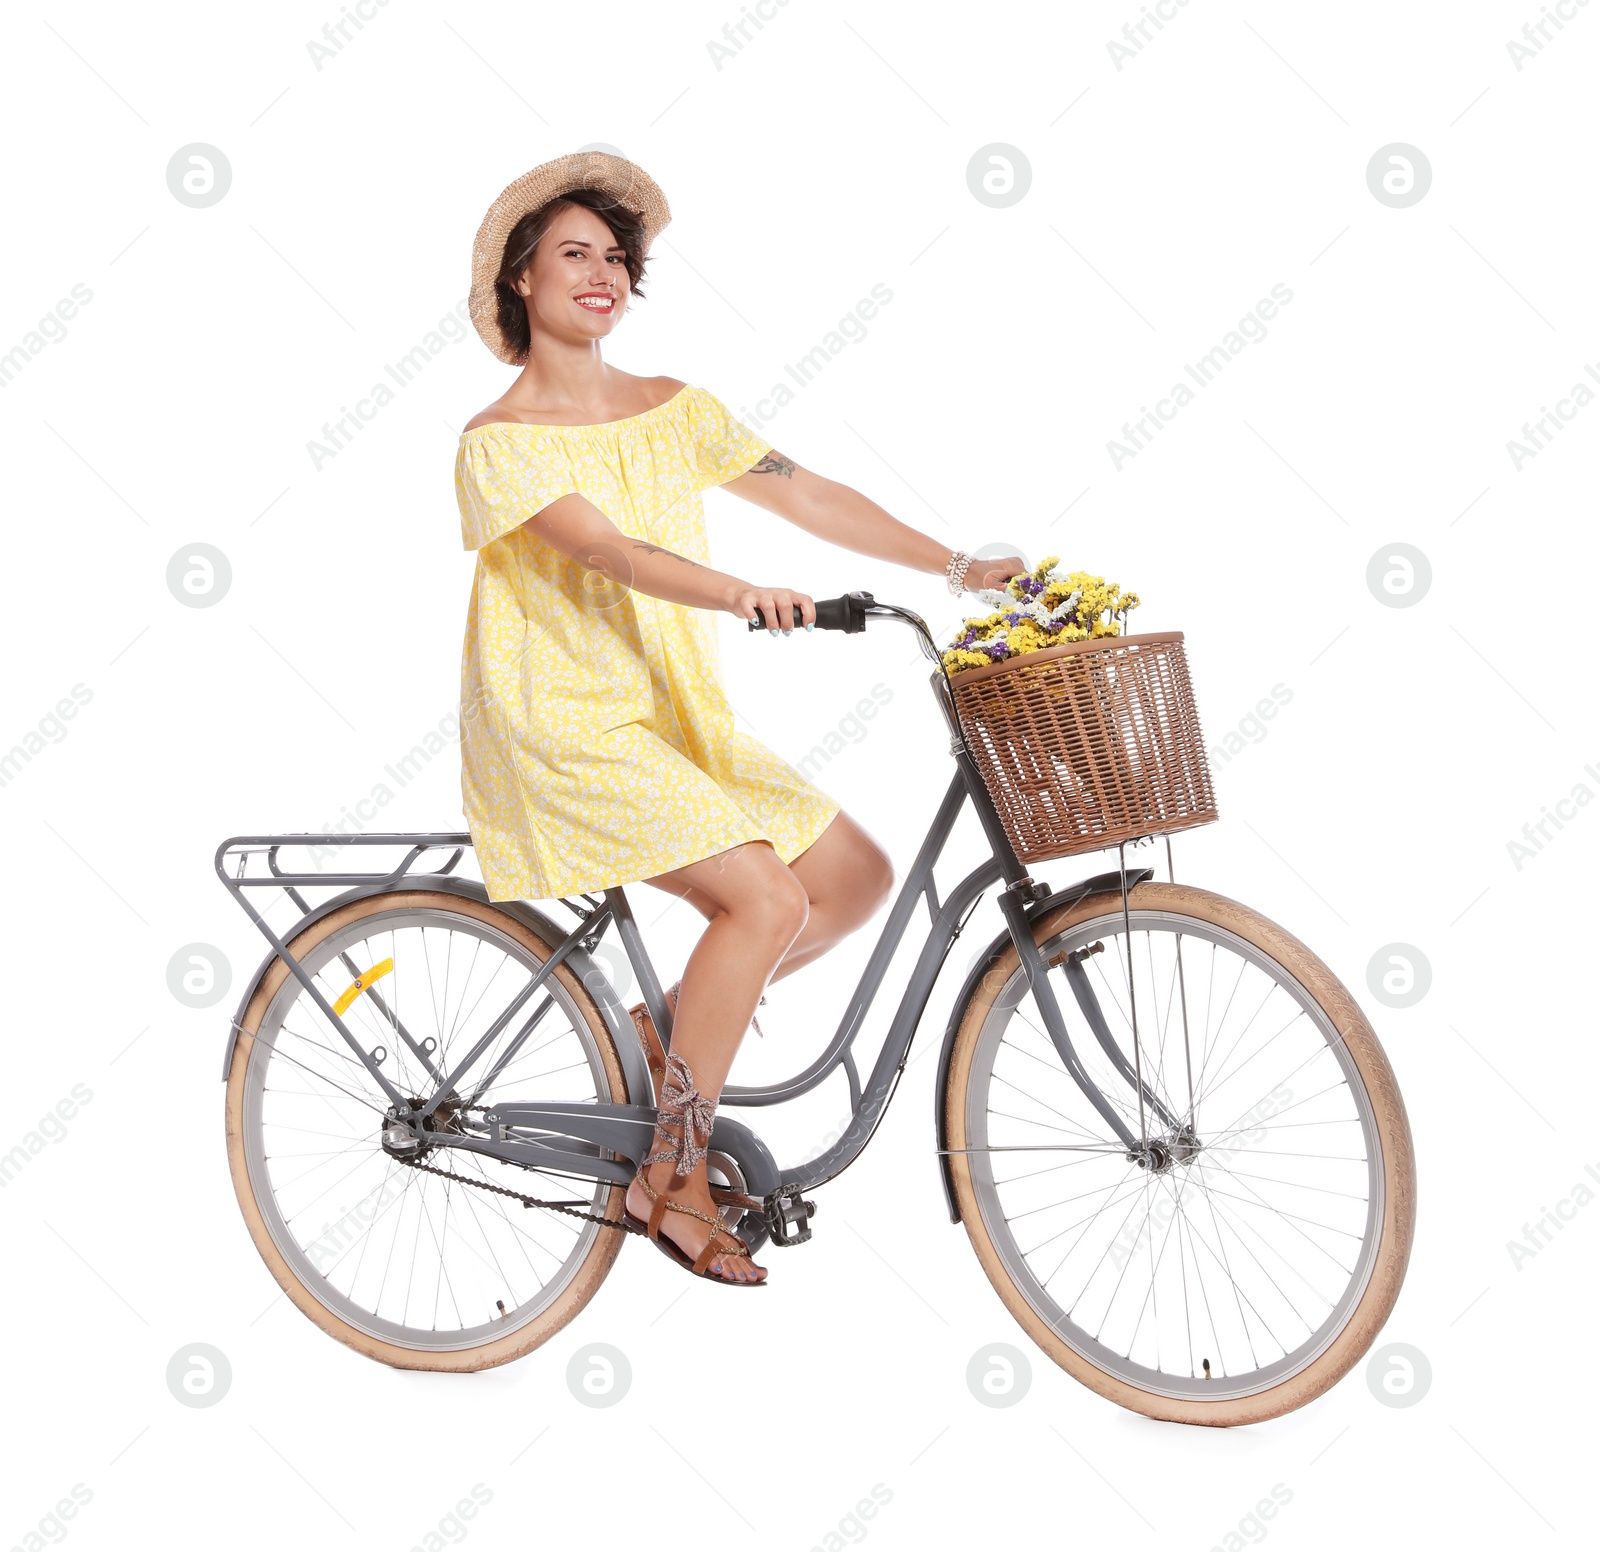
(685, 1104)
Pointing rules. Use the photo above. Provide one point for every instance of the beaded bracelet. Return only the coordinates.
(956, 571)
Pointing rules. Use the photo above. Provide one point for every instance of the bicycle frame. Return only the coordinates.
(571, 1138)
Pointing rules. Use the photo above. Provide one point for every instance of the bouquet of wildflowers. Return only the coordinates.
(1041, 608)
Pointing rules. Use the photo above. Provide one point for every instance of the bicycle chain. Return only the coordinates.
(518, 1196)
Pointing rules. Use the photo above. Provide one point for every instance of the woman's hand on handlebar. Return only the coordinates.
(774, 606)
(993, 573)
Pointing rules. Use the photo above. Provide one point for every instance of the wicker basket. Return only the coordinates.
(1088, 744)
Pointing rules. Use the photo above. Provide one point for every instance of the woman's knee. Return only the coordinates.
(760, 891)
(864, 884)
(780, 907)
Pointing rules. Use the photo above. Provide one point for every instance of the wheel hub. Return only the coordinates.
(1161, 1153)
(407, 1138)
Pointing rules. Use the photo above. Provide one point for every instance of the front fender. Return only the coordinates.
(1099, 884)
(635, 1070)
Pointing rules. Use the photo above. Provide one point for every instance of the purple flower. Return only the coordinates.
(1013, 619)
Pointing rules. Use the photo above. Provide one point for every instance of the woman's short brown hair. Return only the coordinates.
(511, 312)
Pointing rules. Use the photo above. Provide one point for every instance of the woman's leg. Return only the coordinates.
(758, 908)
(847, 878)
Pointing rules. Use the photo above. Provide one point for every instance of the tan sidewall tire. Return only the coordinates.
(607, 1243)
(1400, 1195)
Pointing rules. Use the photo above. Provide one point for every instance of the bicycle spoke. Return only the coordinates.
(1222, 1061)
(1222, 1078)
(1231, 1129)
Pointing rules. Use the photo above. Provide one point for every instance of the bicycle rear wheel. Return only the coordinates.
(1253, 1262)
(411, 1269)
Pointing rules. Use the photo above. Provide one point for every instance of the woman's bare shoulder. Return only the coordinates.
(649, 393)
(487, 417)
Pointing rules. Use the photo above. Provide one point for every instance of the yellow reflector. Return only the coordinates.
(361, 983)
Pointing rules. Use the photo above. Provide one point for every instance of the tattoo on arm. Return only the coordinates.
(659, 549)
(774, 462)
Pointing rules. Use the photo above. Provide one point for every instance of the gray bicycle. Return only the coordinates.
(1190, 1179)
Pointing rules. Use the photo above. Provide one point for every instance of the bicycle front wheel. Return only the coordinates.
(1251, 1258)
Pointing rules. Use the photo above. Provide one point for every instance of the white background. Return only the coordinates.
(830, 153)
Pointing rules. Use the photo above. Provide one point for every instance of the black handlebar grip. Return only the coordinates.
(846, 613)
(760, 620)
(851, 610)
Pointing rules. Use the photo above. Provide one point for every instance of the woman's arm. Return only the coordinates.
(581, 531)
(841, 515)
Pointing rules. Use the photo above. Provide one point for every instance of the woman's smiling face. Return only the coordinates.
(577, 285)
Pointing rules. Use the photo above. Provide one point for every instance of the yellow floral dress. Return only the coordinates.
(597, 744)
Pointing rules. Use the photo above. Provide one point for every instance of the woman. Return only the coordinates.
(598, 746)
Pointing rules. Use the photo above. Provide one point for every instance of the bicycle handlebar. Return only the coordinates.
(846, 613)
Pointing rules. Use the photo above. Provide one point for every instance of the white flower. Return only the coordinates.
(1066, 606)
(995, 598)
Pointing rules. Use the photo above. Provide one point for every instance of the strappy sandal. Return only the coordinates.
(645, 1027)
(656, 1058)
(712, 1251)
(685, 1111)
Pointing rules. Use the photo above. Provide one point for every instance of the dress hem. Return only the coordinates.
(683, 862)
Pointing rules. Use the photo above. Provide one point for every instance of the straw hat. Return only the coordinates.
(580, 170)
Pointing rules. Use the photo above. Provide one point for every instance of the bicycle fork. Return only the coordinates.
(1140, 1149)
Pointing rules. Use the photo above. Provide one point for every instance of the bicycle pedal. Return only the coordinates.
(789, 1217)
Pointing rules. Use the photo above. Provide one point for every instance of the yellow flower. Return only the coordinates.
(1100, 612)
